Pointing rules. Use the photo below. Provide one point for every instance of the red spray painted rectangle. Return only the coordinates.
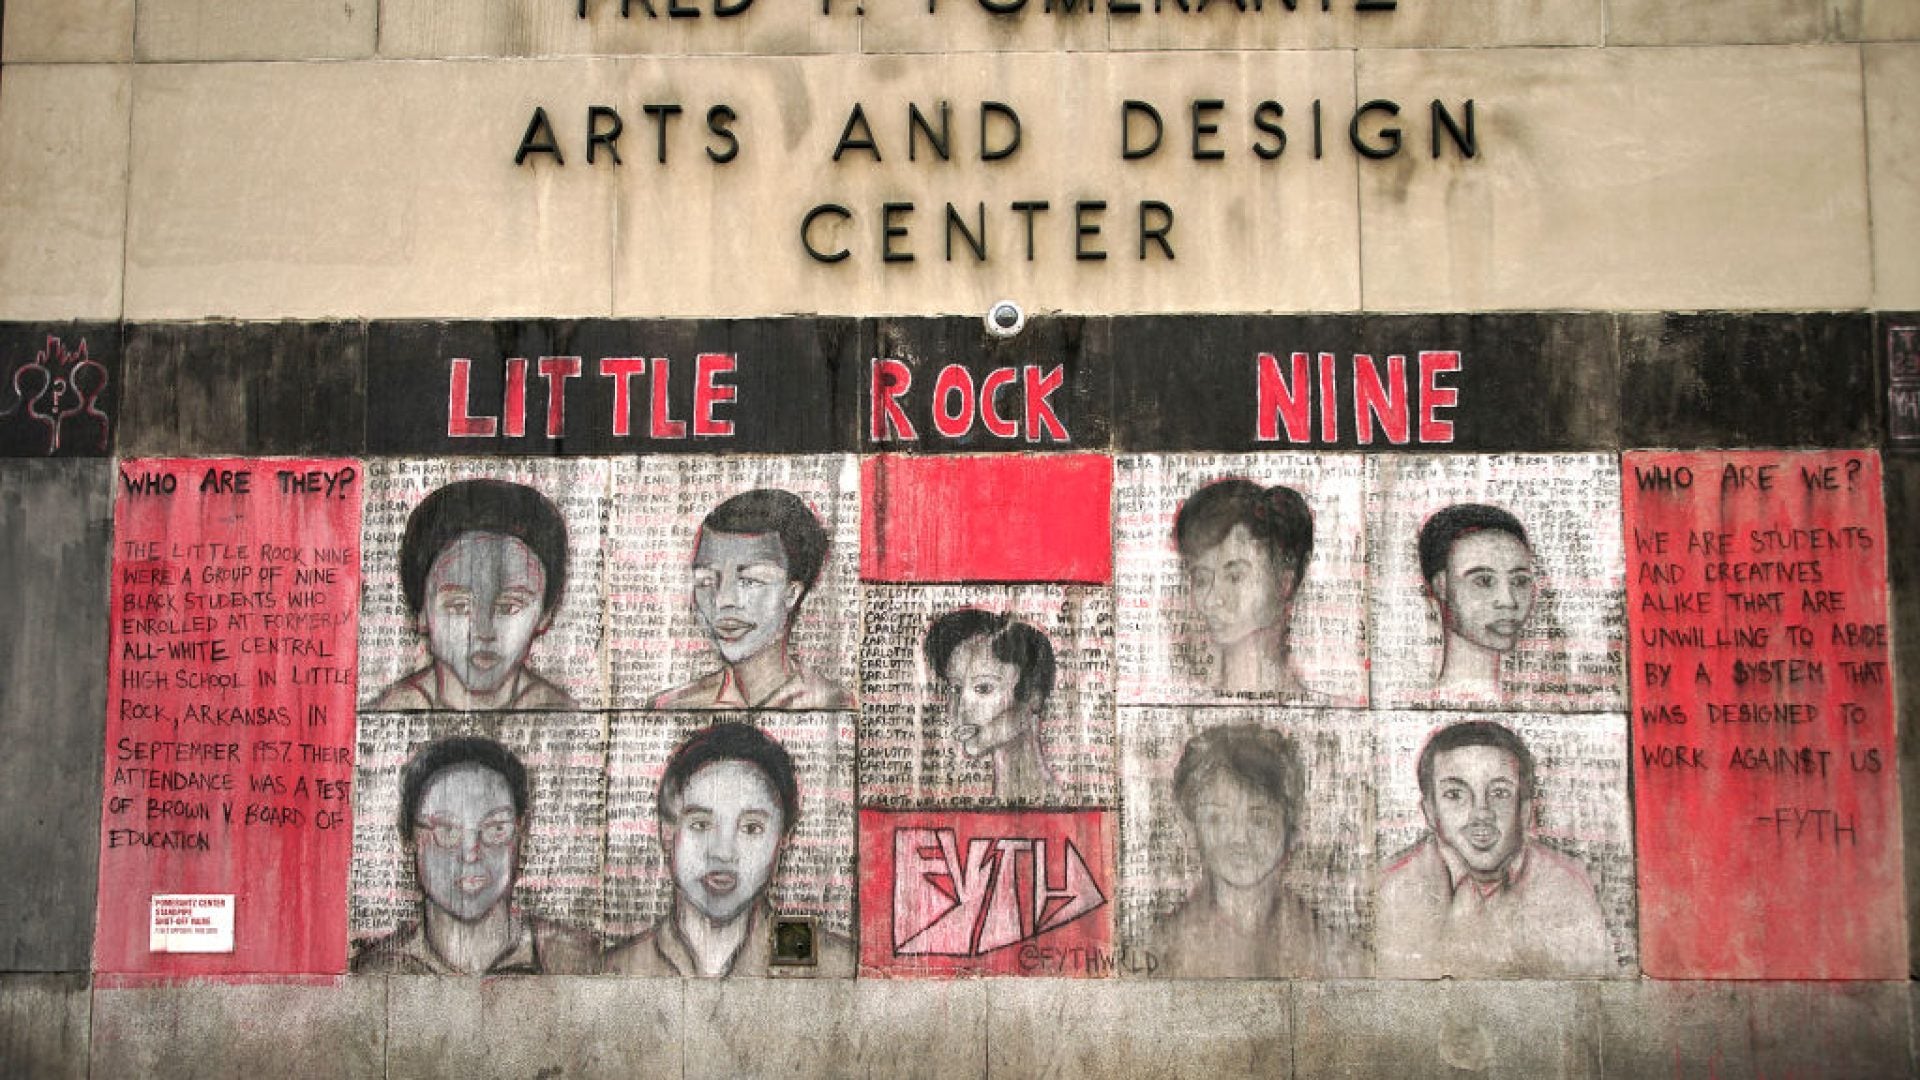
(1766, 795)
(230, 718)
(998, 892)
(999, 518)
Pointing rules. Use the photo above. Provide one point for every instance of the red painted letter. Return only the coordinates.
(707, 367)
(1040, 414)
(622, 369)
(1433, 396)
(891, 379)
(997, 380)
(516, 406)
(1329, 401)
(662, 425)
(565, 367)
(462, 424)
(1280, 399)
(953, 423)
(1371, 400)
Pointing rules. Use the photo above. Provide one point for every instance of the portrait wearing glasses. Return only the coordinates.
(463, 821)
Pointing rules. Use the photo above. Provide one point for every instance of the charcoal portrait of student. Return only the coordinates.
(463, 822)
(1241, 791)
(998, 674)
(483, 567)
(1479, 897)
(757, 557)
(1244, 550)
(1481, 583)
(726, 809)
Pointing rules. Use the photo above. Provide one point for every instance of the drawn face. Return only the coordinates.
(725, 840)
(983, 701)
(1486, 592)
(483, 609)
(1241, 833)
(1238, 588)
(466, 841)
(741, 589)
(1478, 808)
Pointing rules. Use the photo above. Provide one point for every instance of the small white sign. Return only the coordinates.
(191, 923)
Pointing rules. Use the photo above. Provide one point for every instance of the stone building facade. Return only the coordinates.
(1140, 537)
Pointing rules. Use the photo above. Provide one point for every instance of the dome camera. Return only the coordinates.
(1005, 319)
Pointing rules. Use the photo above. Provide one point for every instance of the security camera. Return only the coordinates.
(1005, 319)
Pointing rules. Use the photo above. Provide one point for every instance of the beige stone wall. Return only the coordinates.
(179, 159)
(560, 1026)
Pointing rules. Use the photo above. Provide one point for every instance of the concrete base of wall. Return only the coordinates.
(58, 1026)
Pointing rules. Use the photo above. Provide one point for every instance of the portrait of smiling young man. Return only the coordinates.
(1478, 897)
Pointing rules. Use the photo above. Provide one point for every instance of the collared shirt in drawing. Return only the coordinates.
(539, 947)
(663, 951)
(803, 689)
(1539, 919)
(1199, 940)
(421, 690)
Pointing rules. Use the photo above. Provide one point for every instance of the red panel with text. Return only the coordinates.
(1001, 518)
(1019, 892)
(1767, 800)
(230, 719)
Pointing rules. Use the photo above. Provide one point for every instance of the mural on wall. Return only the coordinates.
(226, 809)
(1764, 763)
(942, 714)
(732, 582)
(1505, 849)
(1242, 576)
(758, 554)
(543, 885)
(1248, 842)
(630, 843)
(986, 684)
(1496, 583)
(483, 584)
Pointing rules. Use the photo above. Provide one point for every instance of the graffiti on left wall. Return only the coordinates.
(56, 400)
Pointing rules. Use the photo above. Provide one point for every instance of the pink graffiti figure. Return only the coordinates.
(58, 386)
